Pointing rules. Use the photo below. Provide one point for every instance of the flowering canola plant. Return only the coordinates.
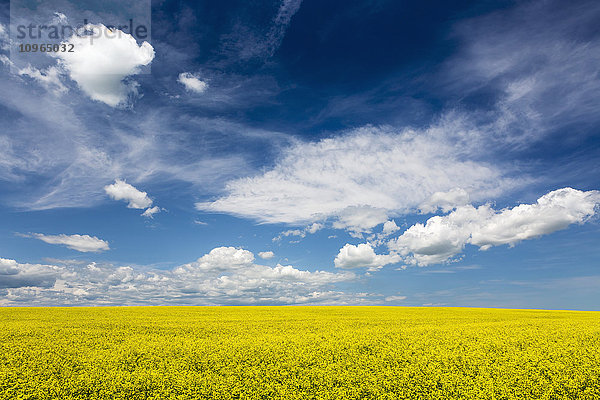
(298, 353)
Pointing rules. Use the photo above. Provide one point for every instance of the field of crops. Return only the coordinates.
(298, 353)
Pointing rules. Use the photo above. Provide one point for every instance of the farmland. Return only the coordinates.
(298, 353)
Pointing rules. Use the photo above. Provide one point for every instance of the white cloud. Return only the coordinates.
(440, 238)
(443, 237)
(102, 60)
(83, 243)
(266, 255)
(149, 213)
(225, 275)
(221, 258)
(552, 212)
(377, 239)
(360, 219)
(363, 256)
(390, 227)
(14, 275)
(361, 178)
(311, 229)
(192, 82)
(445, 201)
(391, 299)
(121, 190)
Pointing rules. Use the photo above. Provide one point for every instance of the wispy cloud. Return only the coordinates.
(536, 62)
(82, 243)
(362, 177)
(286, 11)
(49, 78)
(245, 42)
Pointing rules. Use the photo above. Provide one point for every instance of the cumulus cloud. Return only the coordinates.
(360, 178)
(390, 227)
(102, 60)
(363, 256)
(443, 237)
(121, 190)
(266, 255)
(552, 212)
(82, 243)
(440, 238)
(220, 259)
(14, 275)
(226, 275)
(192, 82)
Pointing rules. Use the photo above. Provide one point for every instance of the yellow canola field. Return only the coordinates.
(298, 353)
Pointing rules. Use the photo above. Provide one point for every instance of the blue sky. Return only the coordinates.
(303, 152)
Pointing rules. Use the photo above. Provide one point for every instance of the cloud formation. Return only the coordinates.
(537, 62)
(286, 11)
(48, 78)
(360, 178)
(149, 213)
(192, 82)
(14, 275)
(266, 255)
(102, 60)
(443, 237)
(82, 243)
(226, 275)
(311, 229)
(445, 201)
(363, 256)
(246, 42)
(121, 190)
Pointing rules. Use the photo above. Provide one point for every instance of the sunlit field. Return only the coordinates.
(298, 353)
